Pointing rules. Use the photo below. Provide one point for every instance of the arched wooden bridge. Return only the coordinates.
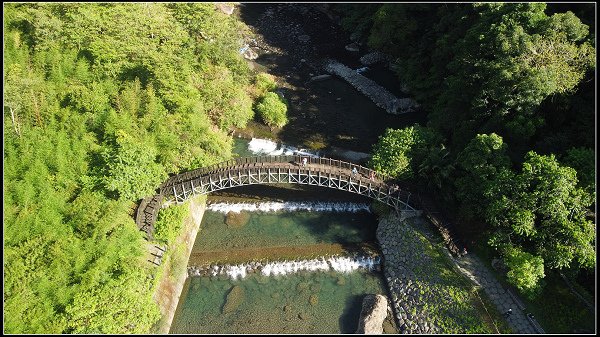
(324, 172)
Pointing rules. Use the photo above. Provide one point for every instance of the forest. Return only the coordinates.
(509, 143)
(101, 103)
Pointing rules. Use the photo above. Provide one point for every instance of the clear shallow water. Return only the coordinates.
(240, 148)
(302, 302)
(306, 302)
(258, 229)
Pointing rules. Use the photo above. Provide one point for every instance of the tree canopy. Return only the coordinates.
(504, 86)
(101, 103)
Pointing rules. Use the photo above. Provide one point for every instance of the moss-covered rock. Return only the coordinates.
(236, 220)
(313, 299)
(234, 299)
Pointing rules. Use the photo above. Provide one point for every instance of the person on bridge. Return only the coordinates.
(304, 161)
(372, 175)
(354, 171)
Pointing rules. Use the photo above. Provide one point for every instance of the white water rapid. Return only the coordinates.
(343, 264)
(260, 146)
(353, 207)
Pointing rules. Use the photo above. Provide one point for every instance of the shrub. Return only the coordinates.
(264, 83)
(169, 222)
(273, 110)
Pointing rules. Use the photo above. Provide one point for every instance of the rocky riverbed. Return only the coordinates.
(292, 41)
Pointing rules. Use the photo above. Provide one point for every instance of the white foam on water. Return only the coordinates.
(353, 207)
(261, 146)
(342, 264)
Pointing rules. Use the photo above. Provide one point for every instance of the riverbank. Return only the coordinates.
(173, 272)
(427, 294)
(322, 114)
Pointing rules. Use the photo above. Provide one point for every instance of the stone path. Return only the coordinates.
(477, 272)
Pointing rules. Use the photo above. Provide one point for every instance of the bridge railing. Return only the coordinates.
(248, 162)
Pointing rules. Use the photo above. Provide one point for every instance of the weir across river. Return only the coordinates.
(324, 172)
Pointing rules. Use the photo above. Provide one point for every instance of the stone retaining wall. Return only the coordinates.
(402, 252)
(378, 94)
(169, 290)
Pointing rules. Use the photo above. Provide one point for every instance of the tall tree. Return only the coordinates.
(541, 211)
(512, 58)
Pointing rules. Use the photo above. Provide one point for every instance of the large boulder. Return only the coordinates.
(236, 220)
(234, 299)
(372, 315)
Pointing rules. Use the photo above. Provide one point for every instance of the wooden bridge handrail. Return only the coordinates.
(192, 174)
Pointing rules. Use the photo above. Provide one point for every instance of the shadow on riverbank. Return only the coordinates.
(326, 113)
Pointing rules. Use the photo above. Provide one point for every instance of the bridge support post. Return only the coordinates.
(183, 189)
(193, 189)
(175, 194)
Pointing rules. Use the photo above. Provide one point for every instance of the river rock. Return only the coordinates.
(234, 299)
(236, 220)
(374, 57)
(225, 8)
(250, 54)
(353, 47)
(313, 299)
(304, 38)
(302, 286)
(320, 78)
(372, 315)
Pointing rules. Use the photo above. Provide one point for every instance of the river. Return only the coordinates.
(291, 259)
(281, 262)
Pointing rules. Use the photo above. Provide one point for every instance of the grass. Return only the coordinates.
(451, 301)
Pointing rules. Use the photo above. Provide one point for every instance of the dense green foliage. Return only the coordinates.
(271, 107)
(101, 102)
(264, 83)
(525, 271)
(504, 85)
(542, 210)
(396, 149)
(273, 110)
(169, 222)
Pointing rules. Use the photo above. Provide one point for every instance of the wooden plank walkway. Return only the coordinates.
(323, 172)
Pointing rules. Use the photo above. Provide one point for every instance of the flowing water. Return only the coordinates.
(306, 302)
(275, 267)
(290, 265)
(264, 229)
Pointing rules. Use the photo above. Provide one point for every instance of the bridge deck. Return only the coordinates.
(323, 172)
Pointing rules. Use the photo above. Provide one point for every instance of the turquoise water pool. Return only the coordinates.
(306, 302)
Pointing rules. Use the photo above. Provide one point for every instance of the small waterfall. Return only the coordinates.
(268, 147)
(262, 146)
(224, 207)
(342, 264)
